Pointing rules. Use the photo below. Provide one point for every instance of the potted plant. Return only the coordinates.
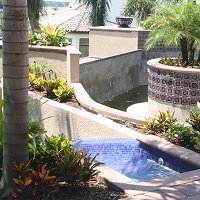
(170, 87)
(176, 24)
(124, 21)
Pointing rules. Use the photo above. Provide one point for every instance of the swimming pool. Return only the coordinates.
(133, 158)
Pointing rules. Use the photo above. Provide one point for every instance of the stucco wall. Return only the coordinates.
(75, 123)
(55, 57)
(106, 78)
(109, 41)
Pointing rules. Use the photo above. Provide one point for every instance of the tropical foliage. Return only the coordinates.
(182, 135)
(165, 124)
(31, 183)
(49, 36)
(76, 167)
(54, 160)
(98, 11)
(161, 121)
(175, 25)
(141, 9)
(35, 10)
(40, 79)
(194, 119)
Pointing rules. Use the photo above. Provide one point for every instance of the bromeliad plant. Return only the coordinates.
(76, 167)
(49, 36)
(31, 183)
(161, 122)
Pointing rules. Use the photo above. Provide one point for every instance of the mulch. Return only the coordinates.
(92, 191)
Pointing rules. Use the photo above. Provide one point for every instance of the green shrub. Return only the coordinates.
(38, 69)
(194, 119)
(182, 135)
(35, 137)
(161, 122)
(47, 147)
(50, 85)
(64, 92)
(76, 167)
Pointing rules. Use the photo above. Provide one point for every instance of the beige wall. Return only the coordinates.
(55, 57)
(73, 122)
(110, 41)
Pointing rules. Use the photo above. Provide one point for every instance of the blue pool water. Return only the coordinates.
(134, 159)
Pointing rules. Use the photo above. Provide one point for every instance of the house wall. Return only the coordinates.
(110, 41)
(76, 38)
(105, 78)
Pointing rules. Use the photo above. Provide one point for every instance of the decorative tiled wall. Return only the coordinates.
(174, 87)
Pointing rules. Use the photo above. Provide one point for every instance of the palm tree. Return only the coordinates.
(35, 10)
(99, 11)
(15, 87)
(141, 9)
(176, 25)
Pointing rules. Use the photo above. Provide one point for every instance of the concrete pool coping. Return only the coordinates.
(118, 181)
(90, 105)
(173, 187)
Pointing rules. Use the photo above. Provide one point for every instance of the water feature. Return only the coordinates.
(133, 158)
(123, 101)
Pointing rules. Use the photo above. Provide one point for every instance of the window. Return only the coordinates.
(84, 46)
(70, 40)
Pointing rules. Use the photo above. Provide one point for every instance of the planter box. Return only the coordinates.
(173, 88)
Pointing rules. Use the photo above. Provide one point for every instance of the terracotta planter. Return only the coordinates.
(173, 88)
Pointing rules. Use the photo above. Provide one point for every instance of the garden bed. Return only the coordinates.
(93, 190)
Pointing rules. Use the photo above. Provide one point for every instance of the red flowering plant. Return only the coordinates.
(182, 135)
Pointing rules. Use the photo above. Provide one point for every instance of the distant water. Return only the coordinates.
(123, 101)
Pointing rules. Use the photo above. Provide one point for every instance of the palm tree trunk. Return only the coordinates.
(191, 52)
(15, 87)
(184, 50)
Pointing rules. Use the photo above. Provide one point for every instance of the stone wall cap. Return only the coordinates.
(155, 63)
